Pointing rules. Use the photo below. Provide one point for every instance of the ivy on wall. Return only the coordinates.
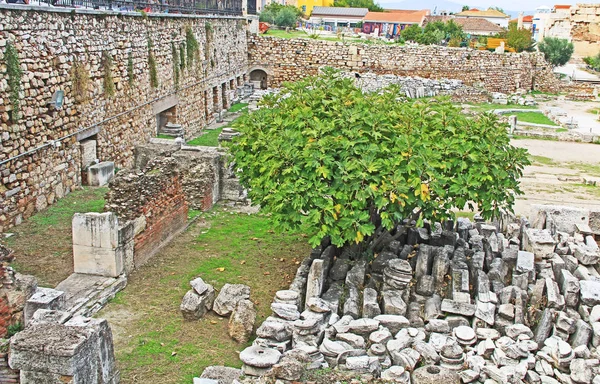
(182, 55)
(152, 66)
(209, 39)
(192, 47)
(109, 84)
(130, 69)
(14, 74)
(176, 68)
(80, 80)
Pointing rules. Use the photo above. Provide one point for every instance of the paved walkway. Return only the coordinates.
(576, 72)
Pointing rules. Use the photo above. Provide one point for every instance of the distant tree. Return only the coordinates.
(369, 4)
(286, 18)
(465, 8)
(497, 9)
(593, 62)
(447, 30)
(412, 33)
(454, 30)
(556, 51)
(519, 38)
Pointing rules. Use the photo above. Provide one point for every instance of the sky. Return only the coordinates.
(504, 4)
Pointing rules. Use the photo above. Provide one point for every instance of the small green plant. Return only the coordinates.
(192, 47)
(152, 66)
(130, 69)
(14, 74)
(176, 67)
(80, 79)
(182, 55)
(109, 84)
(209, 38)
(13, 329)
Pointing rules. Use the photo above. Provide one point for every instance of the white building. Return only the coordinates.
(491, 15)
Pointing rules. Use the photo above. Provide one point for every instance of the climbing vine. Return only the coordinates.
(14, 73)
(130, 69)
(80, 80)
(182, 55)
(109, 84)
(152, 66)
(192, 47)
(175, 64)
(209, 38)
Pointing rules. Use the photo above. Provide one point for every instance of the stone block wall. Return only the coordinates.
(49, 41)
(154, 200)
(291, 59)
(585, 29)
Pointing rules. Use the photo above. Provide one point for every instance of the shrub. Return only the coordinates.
(328, 158)
(14, 74)
(556, 51)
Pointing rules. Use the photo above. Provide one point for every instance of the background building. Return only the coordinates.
(392, 22)
(491, 15)
(307, 5)
(337, 16)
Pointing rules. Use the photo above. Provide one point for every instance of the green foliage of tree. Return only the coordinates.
(519, 38)
(465, 8)
(369, 4)
(325, 156)
(281, 15)
(411, 33)
(286, 18)
(497, 9)
(14, 74)
(433, 33)
(556, 51)
(593, 62)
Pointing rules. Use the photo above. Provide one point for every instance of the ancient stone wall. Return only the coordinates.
(154, 199)
(291, 59)
(50, 42)
(585, 29)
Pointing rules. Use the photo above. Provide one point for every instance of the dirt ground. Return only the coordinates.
(558, 174)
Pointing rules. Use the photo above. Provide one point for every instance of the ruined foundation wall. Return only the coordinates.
(585, 29)
(154, 199)
(49, 41)
(291, 59)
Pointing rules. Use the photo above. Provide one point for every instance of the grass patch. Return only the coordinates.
(560, 130)
(534, 117)
(43, 242)
(488, 107)
(193, 213)
(209, 139)
(541, 160)
(237, 107)
(543, 138)
(163, 136)
(152, 341)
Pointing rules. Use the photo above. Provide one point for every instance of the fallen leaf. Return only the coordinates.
(297, 262)
(267, 273)
(213, 322)
(173, 353)
(282, 259)
(162, 344)
(243, 262)
(220, 269)
(255, 238)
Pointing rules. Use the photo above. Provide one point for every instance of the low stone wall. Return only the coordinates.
(7, 375)
(154, 200)
(291, 59)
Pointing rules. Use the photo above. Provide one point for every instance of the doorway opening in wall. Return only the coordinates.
(259, 79)
(166, 123)
(239, 81)
(232, 84)
(89, 156)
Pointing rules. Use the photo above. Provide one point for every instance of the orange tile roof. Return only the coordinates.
(562, 7)
(526, 19)
(478, 13)
(397, 16)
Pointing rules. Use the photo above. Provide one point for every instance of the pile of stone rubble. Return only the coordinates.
(458, 302)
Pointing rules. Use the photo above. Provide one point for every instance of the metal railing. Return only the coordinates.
(219, 7)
